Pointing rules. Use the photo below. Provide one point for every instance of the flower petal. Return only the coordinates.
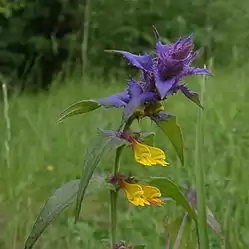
(142, 154)
(182, 48)
(116, 100)
(196, 71)
(134, 193)
(157, 156)
(149, 81)
(144, 62)
(150, 191)
(152, 194)
(193, 56)
(148, 155)
(162, 50)
(134, 89)
(163, 87)
(135, 103)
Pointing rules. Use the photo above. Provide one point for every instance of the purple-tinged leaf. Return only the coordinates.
(193, 96)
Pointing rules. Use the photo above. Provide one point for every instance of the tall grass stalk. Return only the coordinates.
(199, 172)
(7, 121)
(179, 236)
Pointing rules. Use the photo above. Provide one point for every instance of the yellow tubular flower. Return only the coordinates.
(148, 155)
(140, 195)
(152, 194)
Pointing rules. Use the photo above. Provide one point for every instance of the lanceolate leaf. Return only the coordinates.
(60, 199)
(77, 108)
(99, 147)
(173, 132)
(169, 189)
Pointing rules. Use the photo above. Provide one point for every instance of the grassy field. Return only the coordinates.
(37, 142)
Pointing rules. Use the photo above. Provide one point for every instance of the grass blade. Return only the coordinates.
(199, 169)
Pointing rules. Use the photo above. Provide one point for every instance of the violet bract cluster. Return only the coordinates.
(161, 76)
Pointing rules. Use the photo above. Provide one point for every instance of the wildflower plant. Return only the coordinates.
(161, 76)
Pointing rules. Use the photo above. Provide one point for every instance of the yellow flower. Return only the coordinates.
(50, 168)
(148, 155)
(140, 195)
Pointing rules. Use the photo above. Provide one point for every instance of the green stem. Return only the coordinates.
(199, 168)
(114, 194)
(128, 123)
(113, 197)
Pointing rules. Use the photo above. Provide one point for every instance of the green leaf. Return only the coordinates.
(92, 157)
(78, 108)
(169, 189)
(173, 132)
(60, 200)
(139, 247)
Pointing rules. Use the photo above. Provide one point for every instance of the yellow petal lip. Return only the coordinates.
(148, 155)
(141, 195)
(152, 194)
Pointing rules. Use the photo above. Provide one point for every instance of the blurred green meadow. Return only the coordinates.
(44, 155)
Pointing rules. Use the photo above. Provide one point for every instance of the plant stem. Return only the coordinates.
(113, 197)
(199, 168)
(113, 193)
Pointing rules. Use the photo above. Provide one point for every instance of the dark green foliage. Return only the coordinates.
(39, 37)
(34, 39)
